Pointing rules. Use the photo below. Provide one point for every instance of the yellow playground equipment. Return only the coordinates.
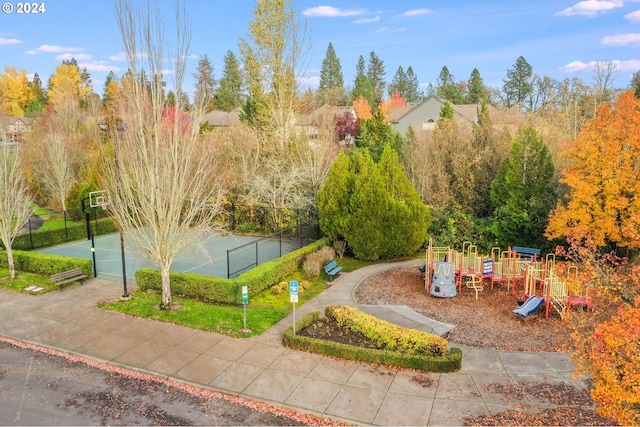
(517, 268)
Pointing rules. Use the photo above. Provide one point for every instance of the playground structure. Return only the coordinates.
(522, 270)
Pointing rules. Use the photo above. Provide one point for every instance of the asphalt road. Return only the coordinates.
(39, 388)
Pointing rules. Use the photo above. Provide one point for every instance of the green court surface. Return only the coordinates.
(208, 256)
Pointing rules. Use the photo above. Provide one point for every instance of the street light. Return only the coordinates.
(105, 127)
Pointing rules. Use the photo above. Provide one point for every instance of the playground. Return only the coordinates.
(488, 322)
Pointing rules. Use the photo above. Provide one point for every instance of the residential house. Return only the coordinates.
(219, 118)
(312, 124)
(424, 116)
(13, 129)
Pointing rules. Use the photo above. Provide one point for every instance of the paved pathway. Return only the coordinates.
(260, 368)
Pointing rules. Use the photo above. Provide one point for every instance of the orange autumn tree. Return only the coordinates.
(602, 173)
(362, 108)
(395, 101)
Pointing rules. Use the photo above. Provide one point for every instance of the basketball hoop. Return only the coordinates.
(103, 205)
(100, 199)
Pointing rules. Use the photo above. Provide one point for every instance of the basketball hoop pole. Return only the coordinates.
(104, 126)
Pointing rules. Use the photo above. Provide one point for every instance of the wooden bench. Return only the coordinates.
(332, 269)
(68, 276)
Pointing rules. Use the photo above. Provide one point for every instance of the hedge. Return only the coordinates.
(446, 363)
(42, 238)
(228, 291)
(35, 262)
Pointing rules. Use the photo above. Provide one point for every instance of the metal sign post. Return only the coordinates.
(293, 296)
(245, 301)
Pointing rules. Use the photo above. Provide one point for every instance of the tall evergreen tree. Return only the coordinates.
(634, 85)
(446, 87)
(522, 192)
(111, 77)
(229, 94)
(476, 92)
(38, 91)
(330, 71)
(363, 86)
(517, 85)
(399, 83)
(331, 87)
(205, 84)
(414, 94)
(376, 73)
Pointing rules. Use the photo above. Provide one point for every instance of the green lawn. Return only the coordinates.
(263, 310)
(24, 280)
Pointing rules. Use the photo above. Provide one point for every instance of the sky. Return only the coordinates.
(558, 38)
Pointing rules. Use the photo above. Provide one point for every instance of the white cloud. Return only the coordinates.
(414, 12)
(367, 20)
(391, 30)
(591, 7)
(332, 12)
(78, 57)
(45, 48)
(98, 66)
(622, 40)
(577, 66)
(633, 16)
(119, 57)
(4, 41)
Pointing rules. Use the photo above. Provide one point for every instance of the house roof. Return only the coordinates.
(316, 116)
(223, 118)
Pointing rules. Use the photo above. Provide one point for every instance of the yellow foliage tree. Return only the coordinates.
(15, 91)
(67, 85)
(601, 169)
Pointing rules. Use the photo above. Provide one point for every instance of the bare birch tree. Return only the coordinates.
(58, 170)
(165, 190)
(15, 201)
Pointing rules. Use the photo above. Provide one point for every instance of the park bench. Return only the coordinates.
(68, 276)
(332, 269)
(526, 253)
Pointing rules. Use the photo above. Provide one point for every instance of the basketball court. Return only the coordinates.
(207, 256)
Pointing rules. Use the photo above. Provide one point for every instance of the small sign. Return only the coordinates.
(245, 295)
(294, 297)
(293, 287)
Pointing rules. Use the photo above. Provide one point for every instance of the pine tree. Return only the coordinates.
(229, 95)
(399, 83)
(414, 95)
(330, 71)
(111, 77)
(476, 92)
(363, 86)
(38, 90)
(523, 192)
(205, 84)
(517, 85)
(446, 87)
(376, 73)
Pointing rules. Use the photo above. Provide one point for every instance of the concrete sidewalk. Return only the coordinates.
(260, 368)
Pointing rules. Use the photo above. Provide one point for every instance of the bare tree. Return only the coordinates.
(165, 187)
(15, 202)
(58, 171)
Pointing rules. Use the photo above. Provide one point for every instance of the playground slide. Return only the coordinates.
(529, 306)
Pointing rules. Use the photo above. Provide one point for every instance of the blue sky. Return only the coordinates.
(559, 38)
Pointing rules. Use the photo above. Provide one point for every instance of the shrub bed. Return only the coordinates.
(42, 238)
(447, 362)
(34, 262)
(229, 291)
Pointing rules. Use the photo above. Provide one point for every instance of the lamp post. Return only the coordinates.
(104, 126)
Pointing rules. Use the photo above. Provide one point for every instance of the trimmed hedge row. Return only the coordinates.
(446, 363)
(42, 238)
(35, 262)
(228, 291)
